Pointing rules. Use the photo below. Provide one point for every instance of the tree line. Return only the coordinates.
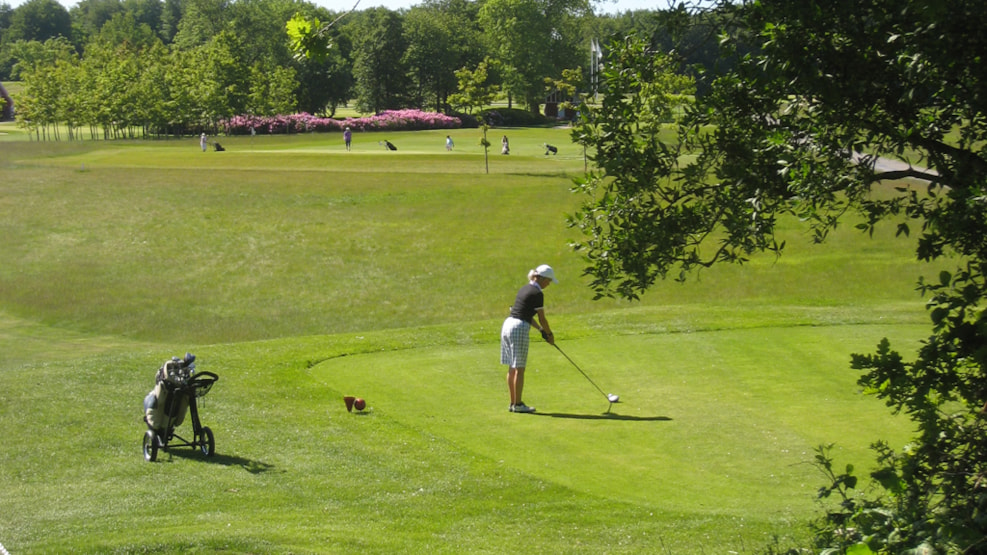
(112, 67)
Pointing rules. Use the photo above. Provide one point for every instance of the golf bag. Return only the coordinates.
(218, 147)
(162, 407)
(549, 149)
(389, 145)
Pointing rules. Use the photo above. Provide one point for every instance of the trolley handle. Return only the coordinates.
(202, 382)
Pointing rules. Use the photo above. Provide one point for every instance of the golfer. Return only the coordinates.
(514, 339)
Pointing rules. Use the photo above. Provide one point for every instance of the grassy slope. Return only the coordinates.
(386, 275)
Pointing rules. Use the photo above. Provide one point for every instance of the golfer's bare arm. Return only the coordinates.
(543, 326)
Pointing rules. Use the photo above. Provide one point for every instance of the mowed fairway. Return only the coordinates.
(301, 273)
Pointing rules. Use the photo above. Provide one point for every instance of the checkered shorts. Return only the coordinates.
(514, 341)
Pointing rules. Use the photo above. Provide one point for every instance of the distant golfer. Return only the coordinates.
(203, 142)
(449, 143)
(347, 137)
(514, 339)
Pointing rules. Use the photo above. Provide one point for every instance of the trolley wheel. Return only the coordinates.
(208, 442)
(150, 446)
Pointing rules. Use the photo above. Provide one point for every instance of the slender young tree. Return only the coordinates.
(474, 89)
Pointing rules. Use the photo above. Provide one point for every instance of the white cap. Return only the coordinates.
(546, 271)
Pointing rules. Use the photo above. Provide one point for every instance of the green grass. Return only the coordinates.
(301, 273)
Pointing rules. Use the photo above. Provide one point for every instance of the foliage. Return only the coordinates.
(571, 82)
(272, 90)
(533, 40)
(440, 40)
(45, 82)
(307, 37)
(519, 34)
(325, 77)
(378, 69)
(835, 531)
(485, 143)
(630, 232)
(474, 89)
(799, 129)
(513, 117)
(120, 88)
(326, 49)
(201, 21)
(38, 20)
(438, 36)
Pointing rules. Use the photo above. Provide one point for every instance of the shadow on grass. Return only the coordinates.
(604, 416)
(251, 466)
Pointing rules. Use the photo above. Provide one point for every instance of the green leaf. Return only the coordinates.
(938, 315)
(860, 549)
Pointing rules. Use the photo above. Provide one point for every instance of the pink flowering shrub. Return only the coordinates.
(393, 120)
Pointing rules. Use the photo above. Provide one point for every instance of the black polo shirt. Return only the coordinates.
(529, 299)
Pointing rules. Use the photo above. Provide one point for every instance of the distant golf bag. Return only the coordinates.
(176, 389)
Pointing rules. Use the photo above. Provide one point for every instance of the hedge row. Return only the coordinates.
(396, 120)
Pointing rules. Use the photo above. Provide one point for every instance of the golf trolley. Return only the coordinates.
(176, 390)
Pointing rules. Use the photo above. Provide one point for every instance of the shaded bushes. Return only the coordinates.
(512, 117)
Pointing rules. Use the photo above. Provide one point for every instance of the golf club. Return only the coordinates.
(612, 398)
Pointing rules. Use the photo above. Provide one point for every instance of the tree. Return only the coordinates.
(381, 78)
(440, 40)
(122, 28)
(431, 56)
(151, 89)
(474, 88)
(5, 12)
(200, 21)
(5, 62)
(519, 34)
(146, 12)
(228, 78)
(634, 159)
(263, 21)
(89, 16)
(188, 84)
(45, 69)
(171, 16)
(572, 81)
(568, 37)
(38, 20)
(328, 83)
(796, 129)
(533, 40)
(271, 90)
